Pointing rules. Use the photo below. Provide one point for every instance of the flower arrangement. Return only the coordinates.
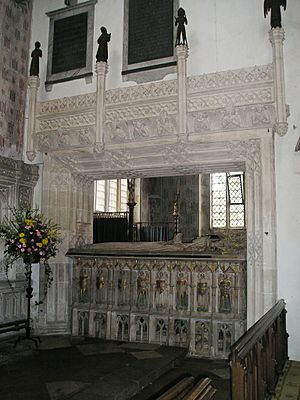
(29, 236)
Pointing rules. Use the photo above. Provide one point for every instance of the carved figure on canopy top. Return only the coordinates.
(274, 7)
(104, 38)
(180, 22)
(35, 60)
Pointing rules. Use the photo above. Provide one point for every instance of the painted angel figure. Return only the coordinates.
(274, 7)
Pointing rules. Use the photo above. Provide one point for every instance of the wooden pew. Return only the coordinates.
(258, 357)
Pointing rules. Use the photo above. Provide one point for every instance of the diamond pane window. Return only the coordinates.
(235, 189)
(218, 200)
(227, 200)
(123, 195)
(110, 195)
(112, 198)
(100, 196)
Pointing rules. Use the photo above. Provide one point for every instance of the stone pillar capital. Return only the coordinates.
(101, 68)
(276, 35)
(34, 82)
(182, 52)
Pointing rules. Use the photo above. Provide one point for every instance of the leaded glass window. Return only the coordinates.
(227, 200)
(110, 195)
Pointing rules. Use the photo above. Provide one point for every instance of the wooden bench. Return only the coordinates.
(13, 326)
(188, 389)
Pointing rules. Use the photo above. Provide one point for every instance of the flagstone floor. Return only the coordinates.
(92, 369)
(288, 385)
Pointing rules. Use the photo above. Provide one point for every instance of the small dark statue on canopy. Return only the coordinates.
(102, 52)
(274, 7)
(181, 21)
(35, 60)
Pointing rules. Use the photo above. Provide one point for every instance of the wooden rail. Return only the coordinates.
(258, 357)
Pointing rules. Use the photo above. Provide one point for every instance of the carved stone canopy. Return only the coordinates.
(141, 130)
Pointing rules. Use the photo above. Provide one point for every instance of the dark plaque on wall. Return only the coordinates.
(70, 43)
(150, 30)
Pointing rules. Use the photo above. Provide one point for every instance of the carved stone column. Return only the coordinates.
(182, 55)
(34, 84)
(101, 71)
(276, 38)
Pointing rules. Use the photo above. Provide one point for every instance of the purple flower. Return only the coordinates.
(22, 250)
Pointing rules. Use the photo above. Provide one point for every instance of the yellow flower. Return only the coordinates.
(21, 234)
(45, 241)
(39, 244)
(22, 240)
(52, 232)
(29, 222)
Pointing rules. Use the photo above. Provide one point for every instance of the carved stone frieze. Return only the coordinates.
(141, 110)
(239, 77)
(67, 121)
(65, 138)
(67, 104)
(141, 92)
(164, 124)
(230, 99)
(231, 118)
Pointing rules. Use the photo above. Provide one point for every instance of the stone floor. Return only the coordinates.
(288, 385)
(90, 369)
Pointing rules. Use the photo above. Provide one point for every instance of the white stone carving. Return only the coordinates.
(239, 77)
(141, 110)
(138, 93)
(248, 150)
(240, 98)
(67, 104)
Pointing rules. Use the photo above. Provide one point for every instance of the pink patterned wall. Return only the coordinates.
(15, 22)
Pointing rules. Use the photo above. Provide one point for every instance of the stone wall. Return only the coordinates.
(157, 201)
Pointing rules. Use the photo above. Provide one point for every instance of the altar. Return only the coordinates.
(167, 293)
